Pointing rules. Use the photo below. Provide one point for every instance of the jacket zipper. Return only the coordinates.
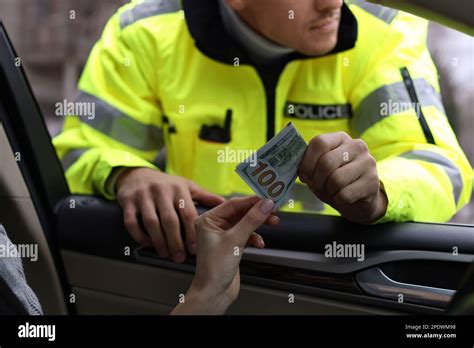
(410, 86)
(270, 76)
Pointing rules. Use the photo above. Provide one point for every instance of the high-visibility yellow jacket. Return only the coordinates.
(161, 76)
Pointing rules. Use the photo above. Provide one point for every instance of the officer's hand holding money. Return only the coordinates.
(341, 172)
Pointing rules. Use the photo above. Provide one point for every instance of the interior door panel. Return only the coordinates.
(119, 287)
(293, 261)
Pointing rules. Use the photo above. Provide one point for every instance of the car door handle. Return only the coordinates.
(375, 282)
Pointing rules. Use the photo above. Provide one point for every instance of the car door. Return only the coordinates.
(406, 268)
(312, 264)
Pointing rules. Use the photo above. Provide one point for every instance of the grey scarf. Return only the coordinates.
(259, 49)
(11, 271)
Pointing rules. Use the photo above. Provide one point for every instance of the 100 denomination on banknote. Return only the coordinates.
(276, 169)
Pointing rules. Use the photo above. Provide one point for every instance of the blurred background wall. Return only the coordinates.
(54, 37)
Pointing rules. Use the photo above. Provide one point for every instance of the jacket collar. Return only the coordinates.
(208, 30)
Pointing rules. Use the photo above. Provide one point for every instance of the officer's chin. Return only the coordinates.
(319, 46)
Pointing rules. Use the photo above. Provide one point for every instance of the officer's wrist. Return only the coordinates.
(111, 183)
(123, 174)
(382, 204)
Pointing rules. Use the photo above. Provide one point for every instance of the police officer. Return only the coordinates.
(356, 79)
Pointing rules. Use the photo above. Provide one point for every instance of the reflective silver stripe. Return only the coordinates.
(450, 168)
(390, 100)
(148, 8)
(71, 157)
(120, 127)
(384, 13)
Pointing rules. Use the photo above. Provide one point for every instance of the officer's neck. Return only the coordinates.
(260, 50)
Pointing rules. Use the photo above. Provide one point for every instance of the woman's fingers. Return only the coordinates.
(253, 219)
(256, 241)
(272, 220)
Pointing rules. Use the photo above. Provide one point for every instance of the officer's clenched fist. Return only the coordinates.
(341, 172)
(160, 201)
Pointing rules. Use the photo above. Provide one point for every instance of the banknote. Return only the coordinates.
(276, 168)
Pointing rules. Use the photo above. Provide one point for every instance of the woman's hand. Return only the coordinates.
(222, 234)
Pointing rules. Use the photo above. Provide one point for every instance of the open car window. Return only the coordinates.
(383, 266)
(41, 53)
